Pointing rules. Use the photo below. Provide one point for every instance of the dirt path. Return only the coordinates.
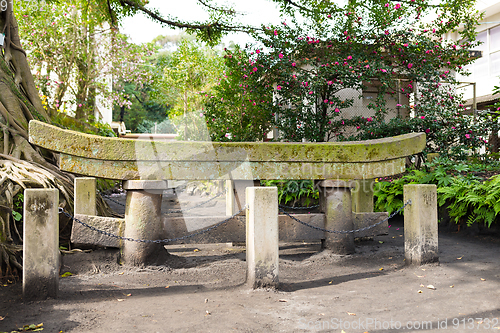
(203, 290)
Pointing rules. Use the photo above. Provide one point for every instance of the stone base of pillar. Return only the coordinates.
(143, 221)
(336, 203)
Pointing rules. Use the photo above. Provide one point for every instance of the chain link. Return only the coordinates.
(196, 206)
(346, 231)
(157, 241)
(173, 211)
(169, 240)
(112, 200)
(298, 208)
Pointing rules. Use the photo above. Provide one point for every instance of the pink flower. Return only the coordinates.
(349, 57)
(278, 87)
(337, 110)
(257, 51)
(310, 93)
(397, 6)
(467, 136)
(275, 32)
(398, 105)
(255, 69)
(280, 55)
(386, 5)
(427, 130)
(422, 117)
(326, 101)
(410, 65)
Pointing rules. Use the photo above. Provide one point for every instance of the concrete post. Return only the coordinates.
(362, 196)
(421, 224)
(41, 244)
(85, 196)
(143, 221)
(262, 237)
(230, 201)
(336, 203)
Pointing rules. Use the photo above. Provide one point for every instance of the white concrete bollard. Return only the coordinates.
(262, 237)
(41, 244)
(421, 224)
(85, 196)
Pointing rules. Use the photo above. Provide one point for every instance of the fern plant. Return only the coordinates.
(477, 201)
(293, 192)
(465, 195)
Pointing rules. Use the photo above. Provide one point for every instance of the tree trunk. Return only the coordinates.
(21, 164)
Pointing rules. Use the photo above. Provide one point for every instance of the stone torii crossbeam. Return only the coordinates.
(145, 165)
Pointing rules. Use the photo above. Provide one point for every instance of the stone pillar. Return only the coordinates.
(230, 201)
(362, 196)
(240, 187)
(41, 244)
(262, 237)
(143, 221)
(421, 224)
(335, 202)
(85, 196)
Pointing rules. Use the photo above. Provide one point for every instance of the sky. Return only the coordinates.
(142, 30)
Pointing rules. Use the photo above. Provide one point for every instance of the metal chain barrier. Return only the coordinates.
(298, 208)
(346, 231)
(196, 206)
(157, 241)
(173, 211)
(112, 200)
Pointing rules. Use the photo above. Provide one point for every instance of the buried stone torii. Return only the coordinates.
(144, 166)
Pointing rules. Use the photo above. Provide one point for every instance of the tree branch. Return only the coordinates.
(227, 11)
(209, 27)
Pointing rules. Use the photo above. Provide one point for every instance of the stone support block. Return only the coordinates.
(362, 196)
(143, 221)
(81, 235)
(362, 220)
(41, 244)
(421, 224)
(85, 195)
(262, 237)
(336, 203)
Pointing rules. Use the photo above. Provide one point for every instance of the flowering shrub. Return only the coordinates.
(306, 64)
(240, 107)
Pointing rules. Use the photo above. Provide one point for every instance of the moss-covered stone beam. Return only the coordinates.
(148, 159)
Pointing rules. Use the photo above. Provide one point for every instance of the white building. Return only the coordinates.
(485, 71)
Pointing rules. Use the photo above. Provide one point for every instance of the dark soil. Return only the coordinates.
(202, 289)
